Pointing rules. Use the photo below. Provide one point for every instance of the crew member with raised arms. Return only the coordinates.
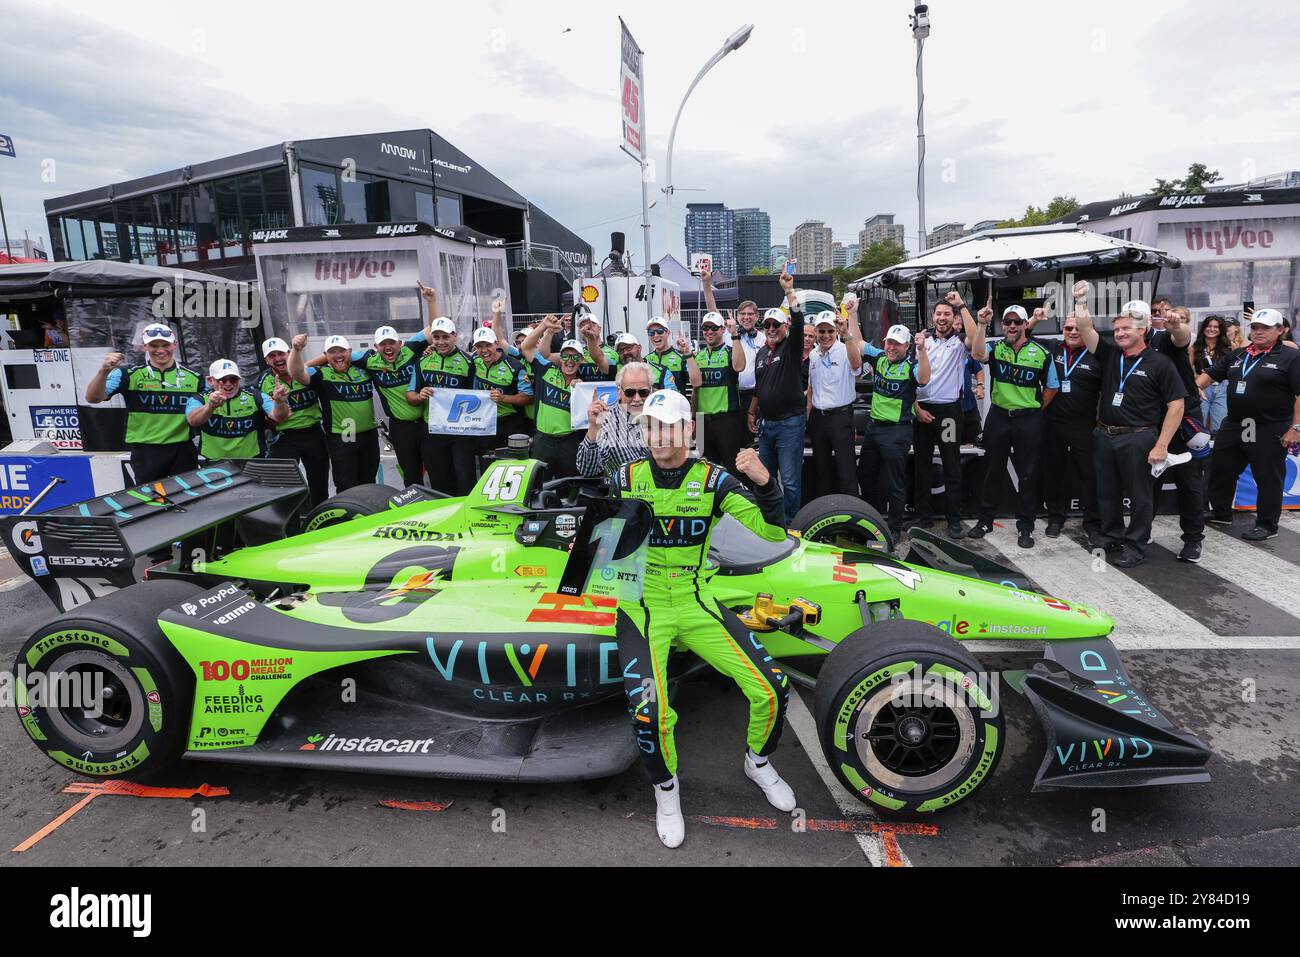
(231, 419)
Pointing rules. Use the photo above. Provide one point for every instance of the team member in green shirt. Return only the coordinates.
(298, 437)
(556, 440)
(723, 429)
(628, 348)
(502, 377)
(680, 362)
(347, 403)
(1024, 382)
(230, 419)
(448, 459)
(156, 395)
(895, 376)
(676, 608)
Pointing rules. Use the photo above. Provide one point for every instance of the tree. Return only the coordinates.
(1059, 207)
(1198, 177)
(760, 271)
(874, 258)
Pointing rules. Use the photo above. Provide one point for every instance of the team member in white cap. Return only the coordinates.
(895, 376)
(688, 497)
(556, 441)
(502, 376)
(1263, 389)
(156, 394)
(599, 362)
(231, 419)
(347, 402)
(628, 348)
(718, 398)
(448, 459)
(678, 362)
(832, 388)
(298, 437)
(778, 412)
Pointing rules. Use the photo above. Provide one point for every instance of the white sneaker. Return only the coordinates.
(776, 791)
(668, 813)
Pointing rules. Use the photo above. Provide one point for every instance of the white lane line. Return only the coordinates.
(1163, 642)
(1251, 568)
(1063, 568)
(805, 729)
(9, 584)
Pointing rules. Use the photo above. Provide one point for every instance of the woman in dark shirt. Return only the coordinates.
(1210, 346)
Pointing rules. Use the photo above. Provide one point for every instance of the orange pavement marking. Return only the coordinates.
(434, 806)
(94, 789)
(888, 833)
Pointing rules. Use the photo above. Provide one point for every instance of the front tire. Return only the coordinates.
(844, 521)
(122, 708)
(354, 502)
(908, 719)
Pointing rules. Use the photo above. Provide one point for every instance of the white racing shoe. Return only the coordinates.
(668, 813)
(761, 772)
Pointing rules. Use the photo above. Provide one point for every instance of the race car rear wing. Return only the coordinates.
(79, 552)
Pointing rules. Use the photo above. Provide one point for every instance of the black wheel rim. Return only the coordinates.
(98, 704)
(913, 740)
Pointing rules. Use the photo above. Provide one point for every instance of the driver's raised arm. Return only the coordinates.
(761, 511)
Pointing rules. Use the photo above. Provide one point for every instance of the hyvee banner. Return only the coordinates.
(462, 412)
(581, 396)
(1234, 239)
(363, 271)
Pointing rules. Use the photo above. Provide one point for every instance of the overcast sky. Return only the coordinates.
(814, 118)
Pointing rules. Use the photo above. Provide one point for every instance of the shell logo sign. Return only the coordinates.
(590, 293)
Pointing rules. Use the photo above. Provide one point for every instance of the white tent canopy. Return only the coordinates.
(1000, 253)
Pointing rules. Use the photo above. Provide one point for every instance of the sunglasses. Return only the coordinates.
(658, 332)
(772, 324)
(1013, 321)
(570, 357)
(637, 393)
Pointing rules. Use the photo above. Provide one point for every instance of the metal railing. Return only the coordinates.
(540, 256)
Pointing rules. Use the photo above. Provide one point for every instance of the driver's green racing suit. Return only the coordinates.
(677, 607)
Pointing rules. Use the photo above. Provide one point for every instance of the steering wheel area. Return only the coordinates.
(571, 491)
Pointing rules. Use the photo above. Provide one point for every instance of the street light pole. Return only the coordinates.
(733, 42)
(920, 22)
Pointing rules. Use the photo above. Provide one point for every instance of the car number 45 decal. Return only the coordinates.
(504, 483)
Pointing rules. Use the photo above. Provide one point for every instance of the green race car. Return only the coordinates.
(406, 633)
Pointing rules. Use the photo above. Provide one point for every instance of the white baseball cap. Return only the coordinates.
(1136, 308)
(627, 339)
(776, 314)
(274, 345)
(899, 333)
(384, 333)
(337, 342)
(588, 316)
(442, 324)
(485, 335)
(157, 332)
(666, 406)
(571, 344)
(657, 321)
(713, 319)
(825, 319)
(1016, 310)
(1267, 317)
(222, 368)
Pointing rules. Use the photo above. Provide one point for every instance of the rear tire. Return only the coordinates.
(901, 722)
(843, 521)
(353, 503)
(138, 729)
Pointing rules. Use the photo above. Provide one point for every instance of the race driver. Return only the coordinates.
(688, 497)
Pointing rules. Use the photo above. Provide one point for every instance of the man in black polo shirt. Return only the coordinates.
(1141, 408)
(777, 412)
(1263, 418)
(1067, 439)
(1188, 477)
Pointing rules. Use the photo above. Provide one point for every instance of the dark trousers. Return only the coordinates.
(882, 469)
(1068, 451)
(1017, 436)
(308, 447)
(152, 462)
(354, 460)
(559, 452)
(723, 435)
(1189, 483)
(834, 471)
(449, 461)
(1266, 457)
(944, 432)
(405, 436)
(1123, 469)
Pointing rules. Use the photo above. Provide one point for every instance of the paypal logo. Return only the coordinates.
(463, 405)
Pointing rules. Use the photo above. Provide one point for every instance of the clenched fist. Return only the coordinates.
(300, 342)
(1080, 290)
(748, 463)
(111, 361)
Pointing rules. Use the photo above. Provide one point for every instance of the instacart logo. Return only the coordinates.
(312, 742)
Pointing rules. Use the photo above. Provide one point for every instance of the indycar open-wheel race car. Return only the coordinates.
(479, 637)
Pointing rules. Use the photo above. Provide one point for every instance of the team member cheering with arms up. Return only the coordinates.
(348, 410)
(556, 442)
(230, 419)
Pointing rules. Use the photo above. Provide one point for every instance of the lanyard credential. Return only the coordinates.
(1123, 376)
(1071, 366)
(1247, 366)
